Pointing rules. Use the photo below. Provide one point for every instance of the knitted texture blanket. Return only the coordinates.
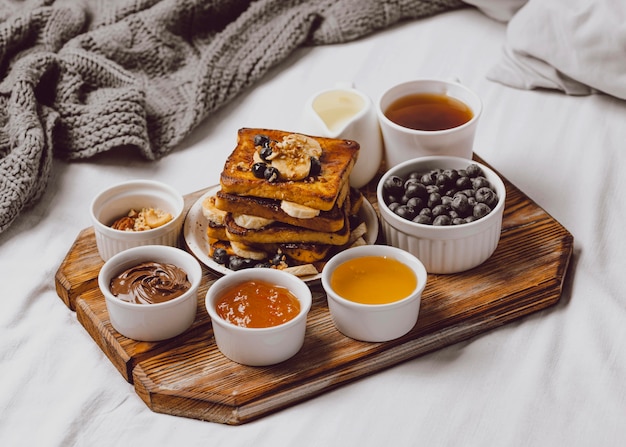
(79, 78)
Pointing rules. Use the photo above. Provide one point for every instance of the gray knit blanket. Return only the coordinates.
(78, 78)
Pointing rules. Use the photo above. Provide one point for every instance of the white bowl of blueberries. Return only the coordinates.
(447, 211)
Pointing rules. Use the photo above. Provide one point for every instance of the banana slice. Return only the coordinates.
(298, 211)
(211, 212)
(156, 218)
(245, 251)
(292, 156)
(293, 168)
(251, 222)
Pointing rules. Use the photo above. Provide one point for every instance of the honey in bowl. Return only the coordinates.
(429, 111)
(257, 304)
(373, 280)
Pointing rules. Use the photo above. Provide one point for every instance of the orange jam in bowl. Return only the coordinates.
(257, 304)
(373, 280)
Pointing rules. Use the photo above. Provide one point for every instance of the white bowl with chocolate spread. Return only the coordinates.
(151, 291)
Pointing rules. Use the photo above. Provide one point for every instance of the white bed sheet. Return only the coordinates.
(557, 377)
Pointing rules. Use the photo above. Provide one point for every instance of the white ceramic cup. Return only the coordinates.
(347, 113)
(403, 143)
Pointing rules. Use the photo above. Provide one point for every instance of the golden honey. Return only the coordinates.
(373, 280)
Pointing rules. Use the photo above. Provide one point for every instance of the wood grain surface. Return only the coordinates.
(188, 376)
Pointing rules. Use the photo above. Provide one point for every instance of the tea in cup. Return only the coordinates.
(428, 117)
(347, 113)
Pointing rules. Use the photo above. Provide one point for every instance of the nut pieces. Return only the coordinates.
(146, 219)
(296, 157)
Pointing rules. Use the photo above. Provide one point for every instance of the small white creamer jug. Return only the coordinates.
(345, 112)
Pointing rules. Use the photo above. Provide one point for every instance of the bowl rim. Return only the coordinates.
(392, 218)
(304, 296)
(138, 256)
(127, 185)
(398, 254)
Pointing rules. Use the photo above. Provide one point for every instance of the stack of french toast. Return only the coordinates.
(285, 202)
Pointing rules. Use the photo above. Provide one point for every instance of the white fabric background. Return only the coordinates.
(576, 46)
(556, 377)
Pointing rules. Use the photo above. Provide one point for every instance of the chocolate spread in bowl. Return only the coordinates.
(150, 283)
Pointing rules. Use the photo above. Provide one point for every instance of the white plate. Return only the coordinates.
(195, 226)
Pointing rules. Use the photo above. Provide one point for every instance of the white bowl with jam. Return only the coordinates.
(259, 315)
(374, 291)
(151, 292)
(136, 213)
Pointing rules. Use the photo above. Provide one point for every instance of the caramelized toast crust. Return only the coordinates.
(319, 192)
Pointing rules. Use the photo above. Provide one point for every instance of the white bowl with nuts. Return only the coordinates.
(135, 213)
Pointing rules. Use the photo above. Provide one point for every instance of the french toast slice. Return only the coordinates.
(329, 221)
(282, 233)
(318, 191)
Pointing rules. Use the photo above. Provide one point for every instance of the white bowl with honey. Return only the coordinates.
(374, 291)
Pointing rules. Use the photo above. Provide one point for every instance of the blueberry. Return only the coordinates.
(316, 167)
(220, 256)
(427, 179)
(236, 263)
(440, 210)
(447, 199)
(393, 205)
(442, 220)
(487, 196)
(458, 221)
(460, 204)
(258, 169)
(423, 219)
(479, 182)
(426, 212)
(416, 202)
(415, 190)
(265, 152)
(394, 186)
(434, 199)
(453, 174)
(261, 140)
(480, 210)
(271, 174)
(406, 212)
(463, 183)
(443, 181)
(474, 170)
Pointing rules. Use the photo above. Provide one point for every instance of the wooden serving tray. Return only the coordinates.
(188, 376)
